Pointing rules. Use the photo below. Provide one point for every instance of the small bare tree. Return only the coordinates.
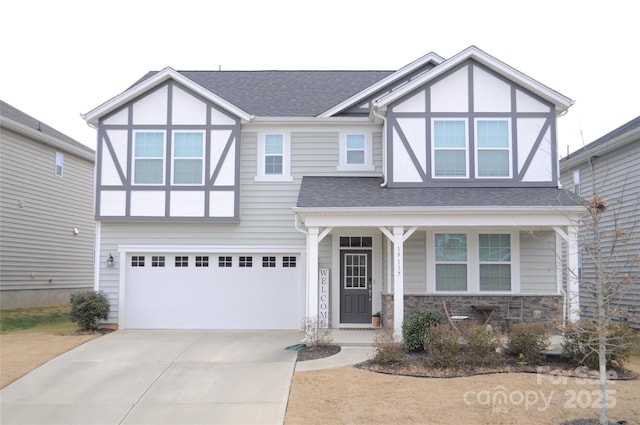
(609, 268)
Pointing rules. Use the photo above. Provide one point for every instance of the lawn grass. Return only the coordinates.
(54, 319)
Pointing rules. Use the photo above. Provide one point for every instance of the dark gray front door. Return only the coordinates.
(355, 286)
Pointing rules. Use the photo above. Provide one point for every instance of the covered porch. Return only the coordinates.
(406, 249)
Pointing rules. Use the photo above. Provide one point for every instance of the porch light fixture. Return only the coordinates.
(110, 261)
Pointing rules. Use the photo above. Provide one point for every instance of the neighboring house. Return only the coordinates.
(609, 167)
(47, 225)
(260, 199)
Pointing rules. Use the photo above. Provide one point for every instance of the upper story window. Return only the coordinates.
(576, 182)
(450, 156)
(274, 158)
(59, 165)
(493, 148)
(355, 152)
(188, 158)
(148, 158)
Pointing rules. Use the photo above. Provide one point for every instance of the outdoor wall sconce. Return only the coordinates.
(110, 261)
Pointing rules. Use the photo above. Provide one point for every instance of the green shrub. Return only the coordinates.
(88, 308)
(415, 327)
(528, 341)
(387, 349)
(482, 345)
(580, 346)
(442, 346)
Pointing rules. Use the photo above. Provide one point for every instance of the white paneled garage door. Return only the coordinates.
(213, 291)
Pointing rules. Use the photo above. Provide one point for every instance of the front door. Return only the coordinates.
(355, 286)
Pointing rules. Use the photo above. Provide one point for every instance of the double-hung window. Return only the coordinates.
(495, 261)
(188, 158)
(273, 158)
(148, 158)
(451, 261)
(355, 152)
(450, 148)
(273, 154)
(493, 148)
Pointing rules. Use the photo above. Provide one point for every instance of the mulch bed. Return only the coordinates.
(317, 352)
(417, 365)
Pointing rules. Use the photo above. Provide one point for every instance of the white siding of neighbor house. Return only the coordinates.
(617, 180)
(38, 211)
(538, 262)
(266, 208)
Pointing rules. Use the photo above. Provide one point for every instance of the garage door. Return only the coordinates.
(213, 291)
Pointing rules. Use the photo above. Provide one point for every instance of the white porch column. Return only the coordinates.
(312, 273)
(573, 283)
(398, 280)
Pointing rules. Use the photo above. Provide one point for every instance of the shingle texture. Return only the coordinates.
(362, 192)
(284, 93)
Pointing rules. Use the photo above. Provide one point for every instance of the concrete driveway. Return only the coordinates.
(160, 377)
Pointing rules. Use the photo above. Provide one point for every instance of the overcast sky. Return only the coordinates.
(62, 58)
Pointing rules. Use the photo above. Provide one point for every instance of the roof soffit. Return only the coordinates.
(561, 102)
(404, 71)
(92, 117)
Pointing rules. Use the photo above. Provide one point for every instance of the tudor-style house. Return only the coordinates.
(255, 200)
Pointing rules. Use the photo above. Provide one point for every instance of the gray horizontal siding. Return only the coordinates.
(538, 262)
(415, 279)
(36, 238)
(615, 177)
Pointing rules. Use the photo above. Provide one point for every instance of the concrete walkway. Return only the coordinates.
(356, 347)
(160, 377)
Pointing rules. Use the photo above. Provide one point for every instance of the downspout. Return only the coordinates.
(374, 108)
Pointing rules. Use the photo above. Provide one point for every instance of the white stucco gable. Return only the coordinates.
(92, 117)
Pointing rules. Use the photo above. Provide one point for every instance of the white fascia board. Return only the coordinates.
(429, 57)
(439, 217)
(81, 151)
(94, 115)
(561, 102)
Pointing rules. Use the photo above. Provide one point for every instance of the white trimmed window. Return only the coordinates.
(356, 152)
(59, 164)
(449, 156)
(495, 261)
(473, 262)
(274, 157)
(188, 158)
(451, 261)
(493, 148)
(576, 182)
(148, 158)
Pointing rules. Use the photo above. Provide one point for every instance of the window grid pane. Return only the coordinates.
(188, 145)
(495, 258)
(451, 247)
(149, 158)
(288, 261)
(493, 148)
(495, 277)
(355, 157)
(224, 261)
(273, 164)
(202, 261)
(187, 171)
(450, 163)
(451, 277)
(493, 163)
(449, 134)
(268, 261)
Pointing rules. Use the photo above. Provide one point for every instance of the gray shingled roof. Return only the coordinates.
(631, 125)
(362, 192)
(283, 93)
(14, 114)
